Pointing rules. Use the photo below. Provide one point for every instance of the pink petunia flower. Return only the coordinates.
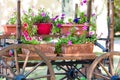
(84, 28)
(43, 14)
(40, 38)
(69, 42)
(68, 33)
(78, 33)
(10, 53)
(76, 28)
(25, 33)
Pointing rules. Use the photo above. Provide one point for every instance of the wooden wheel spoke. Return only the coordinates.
(118, 68)
(16, 62)
(111, 65)
(105, 69)
(100, 75)
(36, 66)
(5, 76)
(25, 62)
(8, 67)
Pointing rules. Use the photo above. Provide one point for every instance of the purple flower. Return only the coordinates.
(56, 17)
(43, 14)
(84, 28)
(58, 25)
(93, 14)
(69, 42)
(63, 15)
(53, 19)
(85, 14)
(81, 3)
(84, 1)
(90, 33)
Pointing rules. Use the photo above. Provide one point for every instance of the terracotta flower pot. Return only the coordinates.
(10, 29)
(65, 28)
(44, 28)
(78, 48)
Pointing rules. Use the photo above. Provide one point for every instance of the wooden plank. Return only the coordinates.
(54, 57)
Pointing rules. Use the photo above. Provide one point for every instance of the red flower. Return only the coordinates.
(25, 25)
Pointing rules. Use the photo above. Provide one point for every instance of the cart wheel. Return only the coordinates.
(68, 71)
(26, 64)
(105, 67)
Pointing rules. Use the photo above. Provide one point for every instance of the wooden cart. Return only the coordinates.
(29, 65)
(32, 64)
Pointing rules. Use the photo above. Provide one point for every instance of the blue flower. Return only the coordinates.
(76, 20)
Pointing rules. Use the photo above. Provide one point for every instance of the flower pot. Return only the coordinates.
(45, 48)
(78, 49)
(44, 28)
(10, 29)
(65, 28)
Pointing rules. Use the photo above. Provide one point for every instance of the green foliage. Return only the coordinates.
(42, 17)
(57, 22)
(83, 78)
(28, 20)
(71, 38)
(34, 41)
(82, 19)
(13, 18)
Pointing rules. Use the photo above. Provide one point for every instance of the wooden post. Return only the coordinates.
(89, 3)
(76, 10)
(108, 22)
(111, 25)
(18, 28)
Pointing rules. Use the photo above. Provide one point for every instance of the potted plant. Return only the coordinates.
(77, 22)
(10, 27)
(43, 22)
(76, 44)
(29, 34)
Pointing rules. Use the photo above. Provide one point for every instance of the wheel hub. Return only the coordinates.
(72, 73)
(19, 77)
(115, 78)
